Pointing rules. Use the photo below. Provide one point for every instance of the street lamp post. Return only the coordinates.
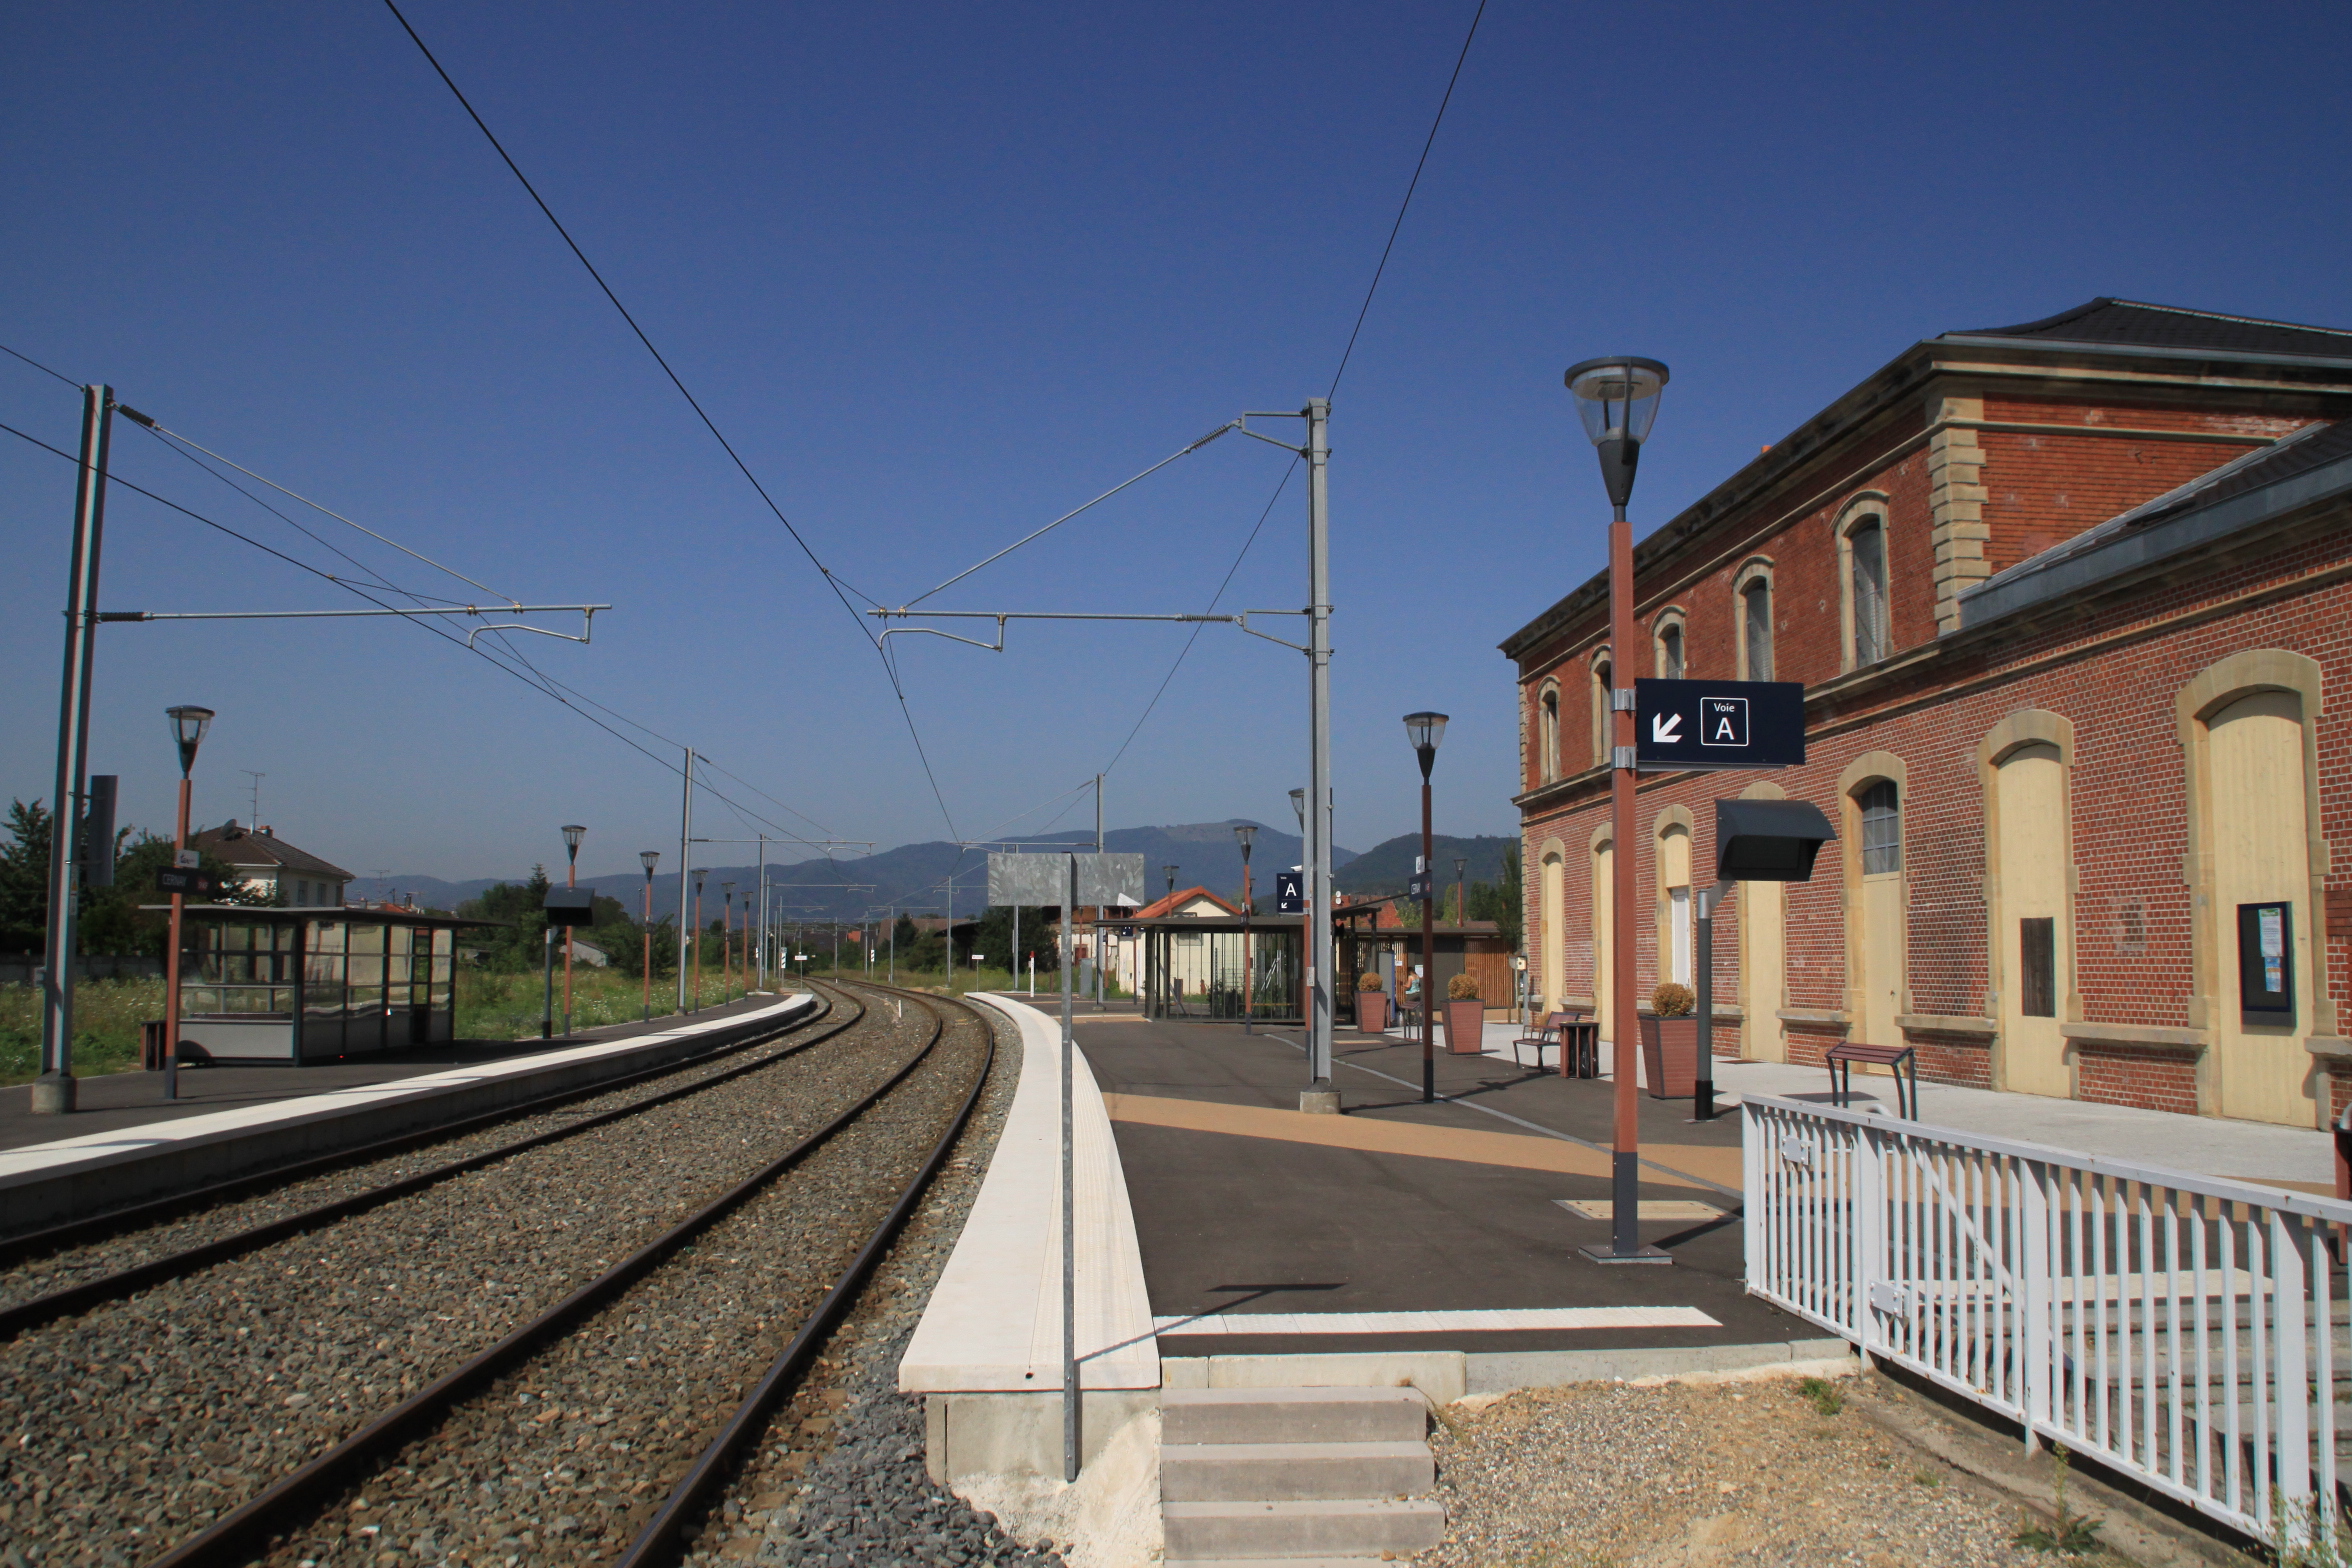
(1298, 807)
(1461, 892)
(727, 944)
(1170, 873)
(1617, 398)
(649, 858)
(1425, 731)
(188, 727)
(698, 876)
(1245, 833)
(572, 834)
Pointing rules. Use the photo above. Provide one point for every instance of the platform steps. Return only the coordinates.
(1300, 1477)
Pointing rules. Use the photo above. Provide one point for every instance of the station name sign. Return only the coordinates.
(1718, 725)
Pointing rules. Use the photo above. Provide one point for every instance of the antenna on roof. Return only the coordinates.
(254, 822)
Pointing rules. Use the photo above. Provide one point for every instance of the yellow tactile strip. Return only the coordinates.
(1375, 1136)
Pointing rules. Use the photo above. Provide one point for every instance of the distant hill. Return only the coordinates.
(1387, 866)
(912, 876)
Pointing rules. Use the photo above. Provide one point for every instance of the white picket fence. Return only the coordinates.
(2185, 1330)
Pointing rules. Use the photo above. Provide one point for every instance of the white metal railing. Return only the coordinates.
(2188, 1331)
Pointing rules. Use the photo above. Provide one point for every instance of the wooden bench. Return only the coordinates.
(1544, 1034)
(1903, 1060)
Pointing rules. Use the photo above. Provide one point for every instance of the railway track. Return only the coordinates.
(68, 1268)
(621, 1398)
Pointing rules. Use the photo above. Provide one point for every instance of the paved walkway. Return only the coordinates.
(2261, 1152)
(109, 1102)
(1405, 1226)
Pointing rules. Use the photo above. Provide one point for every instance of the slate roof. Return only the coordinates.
(2129, 322)
(242, 847)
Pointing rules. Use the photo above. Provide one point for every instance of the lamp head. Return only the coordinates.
(573, 833)
(1243, 833)
(1298, 803)
(1617, 397)
(1425, 731)
(188, 726)
(649, 858)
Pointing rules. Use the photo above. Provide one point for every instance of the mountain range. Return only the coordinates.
(916, 876)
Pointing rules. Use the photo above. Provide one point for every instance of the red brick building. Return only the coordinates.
(2072, 605)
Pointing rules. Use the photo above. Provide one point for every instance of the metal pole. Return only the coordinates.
(1703, 1089)
(1071, 1394)
(1428, 940)
(1248, 1013)
(648, 976)
(697, 944)
(1098, 936)
(763, 912)
(1625, 1155)
(547, 986)
(1318, 919)
(571, 880)
(53, 1091)
(171, 962)
(685, 860)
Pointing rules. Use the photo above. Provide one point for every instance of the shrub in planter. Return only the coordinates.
(1371, 1004)
(1670, 1042)
(1465, 1016)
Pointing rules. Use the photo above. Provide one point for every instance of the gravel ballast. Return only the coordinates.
(126, 1428)
(1755, 1472)
(838, 1479)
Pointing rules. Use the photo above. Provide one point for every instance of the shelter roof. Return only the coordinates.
(265, 914)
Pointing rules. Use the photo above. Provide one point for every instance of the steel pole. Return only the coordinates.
(171, 962)
(1428, 941)
(1703, 1087)
(648, 976)
(1071, 1394)
(1318, 918)
(685, 862)
(1098, 938)
(1625, 1153)
(763, 912)
(571, 880)
(53, 1091)
(547, 985)
(1248, 1012)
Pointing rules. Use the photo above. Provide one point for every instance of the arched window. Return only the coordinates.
(1756, 628)
(1882, 828)
(1548, 735)
(1867, 591)
(1601, 721)
(1670, 663)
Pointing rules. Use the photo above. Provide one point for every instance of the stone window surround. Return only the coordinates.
(1595, 662)
(1547, 730)
(1859, 512)
(1674, 616)
(1755, 569)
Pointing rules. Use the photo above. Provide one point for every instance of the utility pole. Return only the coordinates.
(1319, 1094)
(685, 860)
(1072, 1395)
(1098, 937)
(53, 1091)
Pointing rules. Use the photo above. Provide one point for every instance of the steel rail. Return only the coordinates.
(79, 1297)
(73, 1233)
(661, 1541)
(231, 1540)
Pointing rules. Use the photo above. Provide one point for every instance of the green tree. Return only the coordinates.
(1502, 902)
(112, 920)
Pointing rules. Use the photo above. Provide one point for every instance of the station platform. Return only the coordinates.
(127, 1146)
(108, 1102)
(1401, 1226)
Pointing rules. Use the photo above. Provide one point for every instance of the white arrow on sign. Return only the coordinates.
(1665, 728)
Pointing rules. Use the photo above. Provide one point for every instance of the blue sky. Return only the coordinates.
(942, 273)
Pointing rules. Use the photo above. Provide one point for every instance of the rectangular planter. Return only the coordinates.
(1465, 1026)
(1372, 1011)
(1670, 1056)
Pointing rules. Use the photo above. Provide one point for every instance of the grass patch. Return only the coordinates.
(1822, 1394)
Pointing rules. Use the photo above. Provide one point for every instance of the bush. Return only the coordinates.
(1368, 982)
(1673, 1001)
(1463, 987)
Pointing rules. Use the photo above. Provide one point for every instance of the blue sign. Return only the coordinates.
(1290, 893)
(1714, 726)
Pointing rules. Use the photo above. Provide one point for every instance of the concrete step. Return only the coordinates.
(1292, 1472)
(1324, 1527)
(1277, 1562)
(1292, 1415)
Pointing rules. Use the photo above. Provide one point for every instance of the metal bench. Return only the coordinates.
(1544, 1034)
(1902, 1059)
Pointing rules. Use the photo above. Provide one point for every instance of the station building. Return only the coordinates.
(2072, 605)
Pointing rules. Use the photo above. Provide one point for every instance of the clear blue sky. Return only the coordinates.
(942, 272)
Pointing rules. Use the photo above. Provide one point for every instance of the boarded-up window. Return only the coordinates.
(2037, 966)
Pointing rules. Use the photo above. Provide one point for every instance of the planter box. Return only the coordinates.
(1465, 1026)
(1670, 1056)
(1372, 1011)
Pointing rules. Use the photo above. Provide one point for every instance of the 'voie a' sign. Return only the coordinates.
(1717, 725)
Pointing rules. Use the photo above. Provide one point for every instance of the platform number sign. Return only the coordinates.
(1718, 725)
(1290, 894)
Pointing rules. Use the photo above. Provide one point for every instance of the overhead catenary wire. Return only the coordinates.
(889, 670)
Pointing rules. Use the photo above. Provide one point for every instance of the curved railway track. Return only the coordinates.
(596, 1428)
(173, 1262)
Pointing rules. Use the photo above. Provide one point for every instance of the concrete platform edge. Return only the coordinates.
(1444, 1376)
(52, 1183)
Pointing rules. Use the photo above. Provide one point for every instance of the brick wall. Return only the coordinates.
(2147, 1076)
